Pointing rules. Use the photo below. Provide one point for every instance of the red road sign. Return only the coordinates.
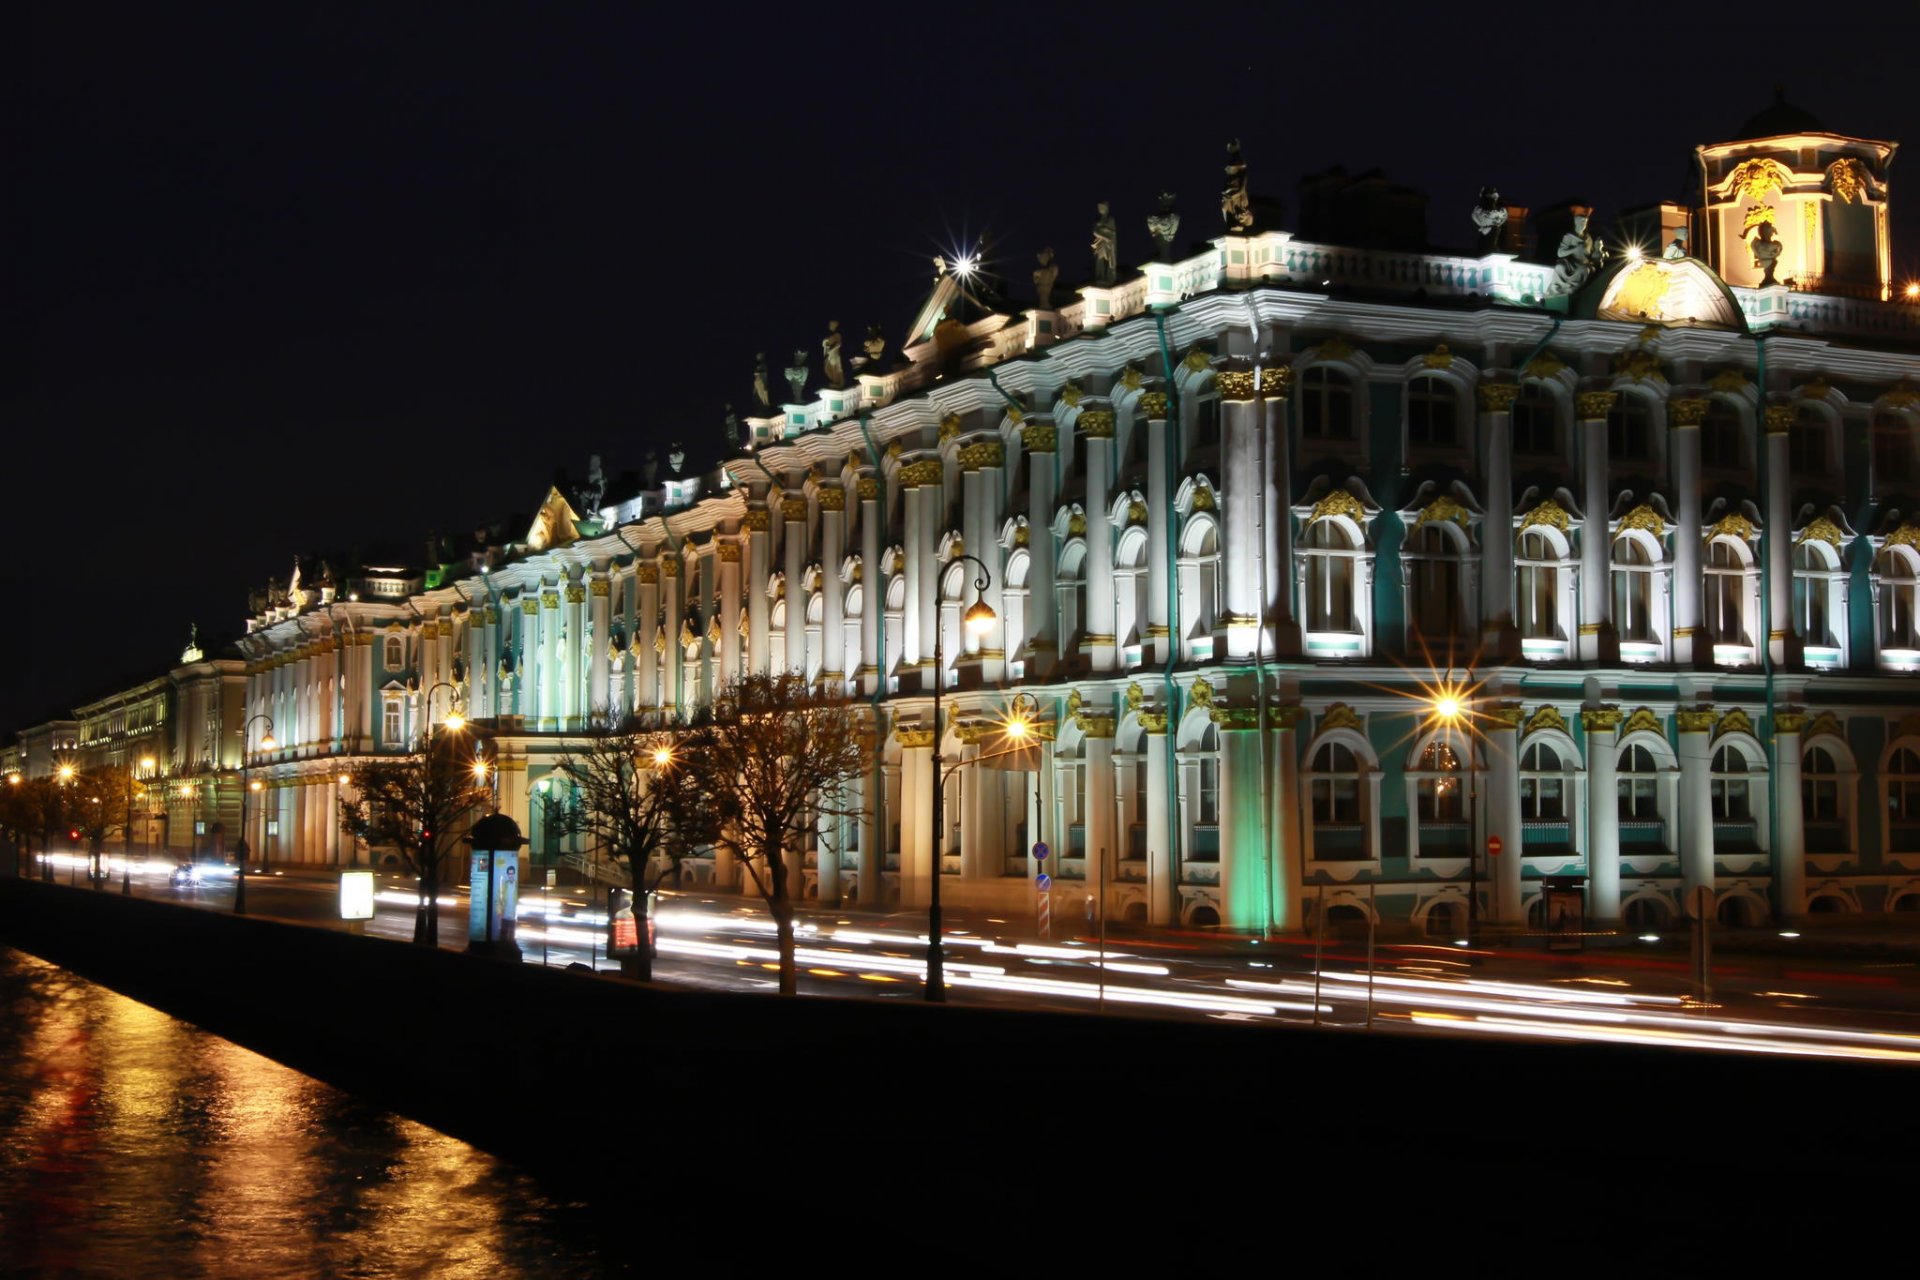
(1493, 846)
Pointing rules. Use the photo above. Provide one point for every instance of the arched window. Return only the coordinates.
(1721, 434)
(1732, 802)
(1433, 579)
(1441, 785)
(1634, 566)
(1433, 414)
(1537, 599)
(1339, 780)
(396, 654)
(1724, 610)
(1638, 783)
(1823, 801)
(1543, 780)
(1332, 566)
(1807, 452)
(1335, 785)
(1892, 451)
(1630, 431)
(1326, 404)
(1137, 817)
(1817, 580)
(1536, 424)
(1206, 807)
(1903, 801)
(1899, 582)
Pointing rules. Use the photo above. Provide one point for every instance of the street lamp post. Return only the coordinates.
(979, 620)
(240, 849)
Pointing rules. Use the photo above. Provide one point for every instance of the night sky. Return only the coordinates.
(288, 278)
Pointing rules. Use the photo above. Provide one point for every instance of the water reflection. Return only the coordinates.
(135, 1144)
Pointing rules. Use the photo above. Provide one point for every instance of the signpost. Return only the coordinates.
(1494, 846)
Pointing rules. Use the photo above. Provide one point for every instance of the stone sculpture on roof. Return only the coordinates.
(1236, 207)
(1164, 225)
(1489, 217)
(762, 389)
(797, 377)
(830, 363)
(1106, 248)
(1580, 254)
(1043, 277)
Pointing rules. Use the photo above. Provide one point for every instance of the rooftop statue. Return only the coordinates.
(1043, 277)
(762, 390)
(1489, 218)
(875, 346)
(589, 494)
(797, 377)
(830, 362)
(676, 457)
(1163, 225)
(1678, 249)
(1236, 208)
(1579, 256)
(1106, 248)
(1766, 254)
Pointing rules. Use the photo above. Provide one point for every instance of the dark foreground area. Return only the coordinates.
(686, 1103)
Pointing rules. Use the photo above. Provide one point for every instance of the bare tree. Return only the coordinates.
(97, 805)
(636, 802)
(776, 758)
(421, 804)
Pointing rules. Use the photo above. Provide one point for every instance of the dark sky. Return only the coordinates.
(287, 277)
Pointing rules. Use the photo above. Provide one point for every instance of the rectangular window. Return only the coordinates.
(390, 724)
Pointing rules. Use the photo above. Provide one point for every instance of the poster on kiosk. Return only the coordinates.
(506, 886)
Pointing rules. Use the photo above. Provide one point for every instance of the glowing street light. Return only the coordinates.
(454, 721)
(662, 757)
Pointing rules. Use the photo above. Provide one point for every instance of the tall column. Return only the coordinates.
(486, 661)
(833, 614)
(1603, 814)
(916, 813)
(759, 570)
(646, 625)
(1790, 851)
(916, 617)
(794, 544)
(1683, 435)
(1156, 638)
(1245, 877)
(705, 673)
(1161, 890)
(552, 665)
(873, 835)
(359, 710)
(826, 863)
(600, 648)
(1242, 572)
(573, 652)
(1289, 863)
(671, 700)
(1281, 631)
(443, 649)
(1696, 796)
(873, 607)
(1594, 548)
(1096, 433)
(1497, 628)
(1501, 731)
(729, 553)
(1040, 439)
(1779, 534)
(1102, 812)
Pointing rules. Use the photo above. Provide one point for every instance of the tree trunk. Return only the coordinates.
(433, 902)
(781, 907)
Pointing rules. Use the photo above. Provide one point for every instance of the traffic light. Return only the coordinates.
(73, 833)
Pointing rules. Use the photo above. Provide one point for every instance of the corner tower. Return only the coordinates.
(1820, 196)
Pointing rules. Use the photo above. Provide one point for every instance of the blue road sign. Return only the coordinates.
(1040, 850)
(1043, 881)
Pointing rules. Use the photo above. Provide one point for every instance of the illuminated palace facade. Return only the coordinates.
(1249, 517)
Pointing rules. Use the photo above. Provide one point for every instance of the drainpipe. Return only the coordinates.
(1170, 690)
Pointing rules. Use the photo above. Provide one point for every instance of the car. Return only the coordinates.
(185, 876)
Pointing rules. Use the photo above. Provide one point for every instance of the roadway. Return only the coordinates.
(1785, 999)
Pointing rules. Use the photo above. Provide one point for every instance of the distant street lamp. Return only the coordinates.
(126, 860)
(247, 786)
(979, 620)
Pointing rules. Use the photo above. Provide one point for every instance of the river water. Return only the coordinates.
(133, 1144)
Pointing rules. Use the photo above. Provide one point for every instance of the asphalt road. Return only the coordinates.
(1786, 1001)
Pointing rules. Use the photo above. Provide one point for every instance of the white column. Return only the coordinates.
(916, 814)
(599, 648)
(573, 653)
(1696, 797)
(1245, 877)
(915, 639)
(730, 554)
(552, 711)
(1683, 436)
(873, 607)
(1779, 536)
(645, 627)
(1603, 815)
(759, 571)
(1496, 533)
(1043, 611)
(1244, 506)
(1594, 548)
(1289, 863)
(1790, 854)
(833, 613)
(1162, 892)
(1502, 732)
(793, 511)
(1101, 812)
(1096, 431)
(873, 837)
(1156, 639)
(671, 699)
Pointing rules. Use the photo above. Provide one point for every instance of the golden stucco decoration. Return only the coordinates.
(1734, 721)
(1546, 717)
(1544, 365)
(1847, 180)
(1644, 291)
(1199, 360)
(1201, 692)
(1438, 358)
(1758, 177)
(1340, 716)
(1441, 509)
(1643, 721)
(1826, 722)
(1548, 513)
(1732, 525)
(1820, 529)
(1638, 364)
(1338, 503)
(1643, 517)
